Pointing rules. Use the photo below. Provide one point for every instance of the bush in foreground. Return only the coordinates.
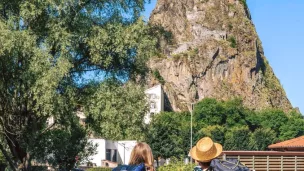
(176, 165)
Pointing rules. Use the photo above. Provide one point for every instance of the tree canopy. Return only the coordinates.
(117, 112)
(47, 50)
(168, 134)
(226, 122)
(244, 129)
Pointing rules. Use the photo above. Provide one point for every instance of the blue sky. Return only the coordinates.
(280, 25)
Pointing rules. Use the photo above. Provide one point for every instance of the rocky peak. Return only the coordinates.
(214, 52)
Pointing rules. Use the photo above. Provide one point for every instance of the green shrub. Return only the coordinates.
(157, 75)
(244, 3)
(230, 26)
(194, 52)
(237, 138)
(177, 167)
(232, 42)
(99, 169)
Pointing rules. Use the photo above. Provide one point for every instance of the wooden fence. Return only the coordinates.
(269, 160)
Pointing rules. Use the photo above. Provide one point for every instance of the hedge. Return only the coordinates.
(177, 167)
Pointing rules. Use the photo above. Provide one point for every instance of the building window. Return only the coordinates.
(152, 105)
(108, 154)
(153, 96)
(114, 156)
(111, 155)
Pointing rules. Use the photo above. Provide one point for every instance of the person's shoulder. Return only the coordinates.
(140, 167)
(197, 168)
(210, 168)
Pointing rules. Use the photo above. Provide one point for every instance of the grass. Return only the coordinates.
(187, 54)
(230, 26)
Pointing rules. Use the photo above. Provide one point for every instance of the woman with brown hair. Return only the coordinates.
(141, 159)
(142, 153)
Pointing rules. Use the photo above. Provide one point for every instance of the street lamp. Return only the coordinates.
(124, 157)
(125, 147)
(191, 132)
(192, 105)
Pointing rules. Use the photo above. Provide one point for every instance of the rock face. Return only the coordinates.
(214, 52)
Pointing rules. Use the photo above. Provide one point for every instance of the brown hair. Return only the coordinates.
(142, 153)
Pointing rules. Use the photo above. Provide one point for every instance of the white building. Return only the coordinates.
(113, 151)
(155, 96)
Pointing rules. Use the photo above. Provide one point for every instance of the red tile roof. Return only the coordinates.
(292, 143)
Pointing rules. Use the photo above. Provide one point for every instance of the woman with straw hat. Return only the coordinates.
(204, 151)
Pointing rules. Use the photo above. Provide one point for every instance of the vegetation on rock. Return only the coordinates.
(158, 77)
(232, 42)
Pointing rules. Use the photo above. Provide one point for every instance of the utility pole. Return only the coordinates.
(191, 136)
(191, 126)
(124, 157)
(192, 104)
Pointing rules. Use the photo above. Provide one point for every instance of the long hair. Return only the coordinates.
(142, 153)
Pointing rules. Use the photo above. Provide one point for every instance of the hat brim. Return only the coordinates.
(219, 150)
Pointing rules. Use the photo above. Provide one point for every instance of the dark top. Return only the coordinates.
(140, 167)
(198, 168)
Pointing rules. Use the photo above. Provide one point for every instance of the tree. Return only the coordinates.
(235, 113)
(62, 144)
(117, 112)
(212, 112)
(293, 128)
(30, 91)
(215, 132)
(237, 138)
(168, 136)
(209, 112)
(226, 122)
(240, 128)
(47, 48)
(261, 138)
(2, 162)
(272, 118)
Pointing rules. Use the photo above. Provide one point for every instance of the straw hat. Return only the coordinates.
(206, 150)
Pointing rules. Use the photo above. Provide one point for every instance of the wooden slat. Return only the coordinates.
(271, 163)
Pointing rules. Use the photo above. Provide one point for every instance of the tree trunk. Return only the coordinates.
(26, 163)
(17, 151)
(2, 167)
(8, 159)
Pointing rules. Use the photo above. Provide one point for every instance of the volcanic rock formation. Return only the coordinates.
(214, 52)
